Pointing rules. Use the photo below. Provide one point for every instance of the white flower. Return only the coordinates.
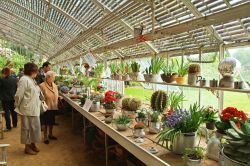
(150, 112)
(138, 111)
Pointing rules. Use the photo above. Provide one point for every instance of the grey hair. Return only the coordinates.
(50, 74)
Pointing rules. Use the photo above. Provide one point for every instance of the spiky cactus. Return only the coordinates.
(238, 143)
(159, 101)
(125, 102)
(134, 104)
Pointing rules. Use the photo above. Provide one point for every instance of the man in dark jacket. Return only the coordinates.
(8, 87)
(41, 76)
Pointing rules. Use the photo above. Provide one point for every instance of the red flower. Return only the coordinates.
(233, 113)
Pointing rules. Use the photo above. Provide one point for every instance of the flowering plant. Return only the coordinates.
(210, 114)
(139, 125)
(109, 100)
(230, 114)
(142, 113)
(155, 116)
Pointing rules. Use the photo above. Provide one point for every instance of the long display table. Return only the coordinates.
(126, 140)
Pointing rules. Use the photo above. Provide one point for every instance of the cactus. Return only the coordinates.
(194, 68)
(134, 104)
(159, 101)
(135, 67)
(125, 103)
(237, 146)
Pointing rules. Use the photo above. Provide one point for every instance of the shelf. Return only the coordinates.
(191, 86)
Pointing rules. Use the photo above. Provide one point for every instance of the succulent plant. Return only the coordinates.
(125, 102)
(135, 67)
(194, 68)
(237, 146)
(159, 101)
(134, 104)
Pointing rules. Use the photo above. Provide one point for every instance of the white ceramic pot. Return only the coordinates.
(95, 107)
(191, 162)
(139, 133)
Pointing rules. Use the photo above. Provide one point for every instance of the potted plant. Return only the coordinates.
(193, 73)
(126, 69)
(139, 130)
(122, 122)
(99, 71)
(130, 105)
(169, 73)
(210, 116)
(135, 71)
(96, 102)
(181, 129)
(118, 96)
(142, 115)
(158, 101)
(114, 71)
(155, 121)
(182, 72)
(83, 99)
(109, 102)
(152, 72)
(175, 100)
(193, 156)
(236, 148)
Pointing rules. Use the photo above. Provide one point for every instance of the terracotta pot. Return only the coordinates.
(180, 80)
(110, 111)
(154, 127)
(193, 78)
(168, 78)
(130, 114)
(151, 77)
(121, 127)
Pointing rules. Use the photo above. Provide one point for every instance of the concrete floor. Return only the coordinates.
(68, 150)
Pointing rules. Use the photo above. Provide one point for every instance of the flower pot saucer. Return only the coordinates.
(153, 150)
(139, 140)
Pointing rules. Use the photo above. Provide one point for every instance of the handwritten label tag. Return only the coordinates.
(87, 105)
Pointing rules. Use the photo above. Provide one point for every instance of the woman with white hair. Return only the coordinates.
(50, 92)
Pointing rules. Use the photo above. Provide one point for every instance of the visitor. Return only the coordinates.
(28, 105)
(41, 76)
(20, 74)
(8, 87)
(50, 92)
(13, 73)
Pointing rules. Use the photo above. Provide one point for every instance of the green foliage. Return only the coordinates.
(113, 68)
(159, 101)
(175, 100)
(237, 146)
(135, 67)
(195, 153)
(170, 68)
(122, 120)
(182, 68)
(155, 116)
(99, 70)
(156, 64)
(3, 62)
(210, 115)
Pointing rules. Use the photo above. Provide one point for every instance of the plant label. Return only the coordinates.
(87, 105)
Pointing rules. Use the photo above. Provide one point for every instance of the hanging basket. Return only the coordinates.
(205, 58)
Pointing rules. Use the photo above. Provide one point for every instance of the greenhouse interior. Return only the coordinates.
(125, 82)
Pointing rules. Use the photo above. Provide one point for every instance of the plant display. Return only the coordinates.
(122, 68)
(181, 121)
(196, 153)
(135, 67)
(156, 64)
(83, 99)
(169, 69)
(118, 95)
(134, 104)
(109, 101)
(142, 113)
(194, 68)
(122, 120)
(229, 114)
(175, 100)
(139, 125)
(155, 116)
(159, 101)
(237, 145)
(113, 68)
(125, 103)
(96, 97)
(100, 88)
(99, 70)
(182, 68)
(210, 114)
(148, 70)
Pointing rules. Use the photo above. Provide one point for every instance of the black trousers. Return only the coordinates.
(8, 107)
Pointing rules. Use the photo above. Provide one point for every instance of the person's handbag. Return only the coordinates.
(44, 106)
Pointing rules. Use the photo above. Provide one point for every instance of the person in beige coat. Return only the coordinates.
(28, 104)
(50, 92)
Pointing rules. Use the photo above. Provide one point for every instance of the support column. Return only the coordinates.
(221, 93)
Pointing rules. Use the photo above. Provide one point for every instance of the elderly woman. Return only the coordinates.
(28, 105)
(50, 92)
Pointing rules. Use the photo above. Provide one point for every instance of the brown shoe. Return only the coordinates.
(34, 148)
(29, 151)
